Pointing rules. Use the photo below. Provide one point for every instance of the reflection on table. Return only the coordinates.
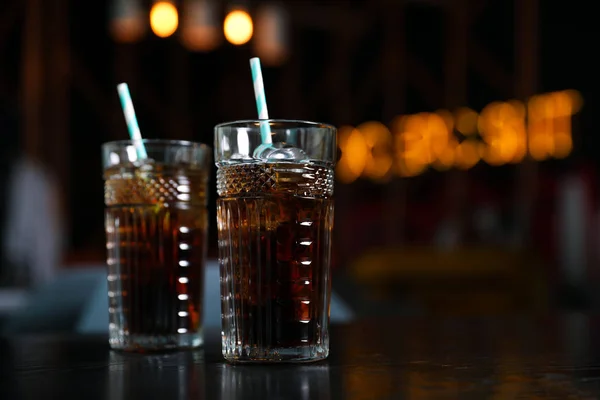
(415, 358)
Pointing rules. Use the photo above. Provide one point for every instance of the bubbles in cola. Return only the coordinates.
(280, 152)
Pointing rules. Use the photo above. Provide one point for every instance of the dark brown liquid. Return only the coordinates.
(275, 256)
(156, 242)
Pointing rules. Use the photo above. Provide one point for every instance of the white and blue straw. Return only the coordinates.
(261, 101)
(131, 120)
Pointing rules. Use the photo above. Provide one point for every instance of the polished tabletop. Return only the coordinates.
(398, 358)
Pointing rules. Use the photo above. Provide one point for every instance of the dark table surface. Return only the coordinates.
(445, 358)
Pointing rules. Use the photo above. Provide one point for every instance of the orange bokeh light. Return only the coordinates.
(164, 19)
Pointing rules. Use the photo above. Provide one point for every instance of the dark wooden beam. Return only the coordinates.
(157, 107)
(527, 50)
(423, 81)
(328, 16)
(393, 68)
(9, 19)
(57, 138)
(336, 79)
(292, 100)
(394, 82)
(7, 95)
(369, 87)
(455, 54)
(179, 94)
(526, 84)
(455, 95)
(484, 64)
(125, 70)
(108, 112)
(480, 59)
(32, 79)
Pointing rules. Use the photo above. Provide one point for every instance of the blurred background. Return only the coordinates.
(467, 182)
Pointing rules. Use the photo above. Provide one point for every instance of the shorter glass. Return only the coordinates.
(156, 226)
(274, 220)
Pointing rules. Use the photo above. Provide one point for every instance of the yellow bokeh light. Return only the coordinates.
(448, 119)
(447, 158)
(576, 100)
(502, 133)
(354, 154)
(502, 127)
(409, 168)
(467, 154)
(466, 121)
(164, 19)
(413, 149)
(421, 139)
(563, 144)
(550, 124)
(238, 27)
(379, 142)
(436, 131)
(540, 147)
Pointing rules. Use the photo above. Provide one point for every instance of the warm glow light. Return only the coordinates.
(466, 121)
(563, 144)
(379, 143)
(271, 37)
(354, 154)
(467, 154)
(422, 140)
(200, 27)
(412, 146)
(127, 22)
(238, 27)
(163, 19)
(504, 132)
(448, 157)
(502, 127)
(549, 124)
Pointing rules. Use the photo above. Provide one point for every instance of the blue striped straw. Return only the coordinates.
(131, 120)
(261, 101)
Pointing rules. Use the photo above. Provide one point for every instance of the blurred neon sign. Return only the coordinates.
(502, 133)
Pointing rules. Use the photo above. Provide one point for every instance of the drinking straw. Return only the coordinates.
(261, 101)
(131, 120)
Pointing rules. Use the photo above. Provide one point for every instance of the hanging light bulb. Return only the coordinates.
(127, 22)
(271, 40)
(238, 26)
(200, 28)
(164, 18)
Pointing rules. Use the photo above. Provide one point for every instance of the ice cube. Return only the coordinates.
(240, 157)
(280, 152)
(145, 165)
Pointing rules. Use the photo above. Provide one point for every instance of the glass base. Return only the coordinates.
(155, 343)
(247, 354)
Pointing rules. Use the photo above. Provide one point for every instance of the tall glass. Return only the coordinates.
(275, 217)
(156, 226)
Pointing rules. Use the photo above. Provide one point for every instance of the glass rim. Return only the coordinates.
(164, 142)
(257, 122)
